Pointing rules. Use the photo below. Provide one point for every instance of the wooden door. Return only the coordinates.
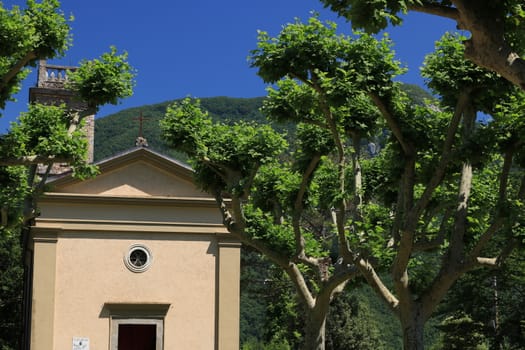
(137, 337)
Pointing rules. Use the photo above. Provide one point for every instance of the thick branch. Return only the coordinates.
(460, 221)
(16, 68)
(486, 237)
(392, 123)
(298, 210)
(487, 47)
(425, 244)
(368, 272)
(407, 231)
(489, 262)
(504, 176)
(300, 285)
(478, 261)
(341, 276)
(433, 295)
(446, 153)
(236, 227)
(435, 9)
(456, 247)
(358, 177)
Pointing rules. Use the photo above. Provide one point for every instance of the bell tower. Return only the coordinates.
(51, 89)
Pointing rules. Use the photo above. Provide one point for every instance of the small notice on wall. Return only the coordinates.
(80, 343)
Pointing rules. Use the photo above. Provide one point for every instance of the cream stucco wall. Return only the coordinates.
(138, 178)
(43, 298)
(91, 272)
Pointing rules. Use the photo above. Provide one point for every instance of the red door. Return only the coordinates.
(137, 336)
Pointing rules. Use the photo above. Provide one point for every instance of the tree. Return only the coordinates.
(40, 31)
(496, 27)
(50, 134)
(45, 134)
(458, 188)
(261, 200)
(281, 206)
(424, 209)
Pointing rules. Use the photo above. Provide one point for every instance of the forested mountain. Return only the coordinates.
(117, 132)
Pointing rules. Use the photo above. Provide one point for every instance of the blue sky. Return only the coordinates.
(200, 49)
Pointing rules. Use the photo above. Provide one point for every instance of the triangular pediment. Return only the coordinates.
(138, 173)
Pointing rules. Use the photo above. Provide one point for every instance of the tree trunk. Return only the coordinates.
(413, 332)
(314, 337)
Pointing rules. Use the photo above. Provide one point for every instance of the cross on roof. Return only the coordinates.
(141, 140)
(141, 120)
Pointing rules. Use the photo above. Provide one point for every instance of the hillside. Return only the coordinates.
(117, 132)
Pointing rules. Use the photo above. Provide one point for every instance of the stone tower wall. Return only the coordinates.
(51, 89)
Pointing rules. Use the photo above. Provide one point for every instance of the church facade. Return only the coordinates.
(135, 258)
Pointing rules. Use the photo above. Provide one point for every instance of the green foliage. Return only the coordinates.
(292, 102)
(447, 74)
(314, 46)
(412, 219)
(508, 127)
(369, 15)
(187, 127)
(285, 316)
(494, 299)
(255, 296)
(117, 132)
(43, 130)
(381, 173)
(269, 315)
(275, 187)
(370, 234)
(260, 227)
(39, 31)
(14, 189)
(351, 325)
(224, 156)
(102, 81)
(315, 55)
(481, 18)
(254, 344)
(11, 273)
(461, 332)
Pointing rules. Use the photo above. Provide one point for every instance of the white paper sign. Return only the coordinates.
(80, 343)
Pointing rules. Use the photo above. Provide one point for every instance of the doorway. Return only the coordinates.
(137, 336)
(136, 333)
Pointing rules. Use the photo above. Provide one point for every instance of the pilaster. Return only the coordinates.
(229, 259)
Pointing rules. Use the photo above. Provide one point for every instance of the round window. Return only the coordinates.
(138, 258)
